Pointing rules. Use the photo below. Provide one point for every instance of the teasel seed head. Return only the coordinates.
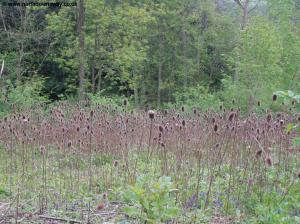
(258, 154)
(216, 128)
(269, 161)
(42, 149)
(125, 102)
(231, 116)
(151, 114)
(161, 129)
(116, 163)
(69, 144)
(182, 108)
(274, 97)
(258, 103)
(281, 122)
(104, 196)
(269, 118)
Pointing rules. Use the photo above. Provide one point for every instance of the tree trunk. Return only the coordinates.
(159, 83)
(96, 42)
(93, 75)
(99, 78)
(245, 14)
(184, 39)
(20, 43)
(143, 97)
(135, 87)
(80, 24)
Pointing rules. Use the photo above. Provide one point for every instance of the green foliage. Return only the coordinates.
(276, 207)
(103, 100)
(196, 97)
(151, 200)
(25, 95)
(289, 98)
(28, 94)
(158, 52)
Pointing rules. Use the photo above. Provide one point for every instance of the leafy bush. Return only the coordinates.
(198, 97)
(100, 99)
(289, 98)
(151, 200)
(25, 95)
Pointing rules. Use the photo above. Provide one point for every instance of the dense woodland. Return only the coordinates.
(155, 53)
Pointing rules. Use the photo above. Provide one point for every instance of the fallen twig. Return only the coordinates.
(59, 219)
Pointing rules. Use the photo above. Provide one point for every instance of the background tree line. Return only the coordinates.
(200, 53)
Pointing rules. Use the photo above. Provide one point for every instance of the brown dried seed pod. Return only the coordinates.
(274, 97)
(216, 128)
(151, 114)
(42, 149)
(104, 196)
(116, 163)
(258, 154)
(161, 129)
(231, 116)
(268, 161)
(269, 118)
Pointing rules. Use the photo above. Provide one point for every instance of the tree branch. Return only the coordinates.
(2, 67)
(254, 7)
(239, 3)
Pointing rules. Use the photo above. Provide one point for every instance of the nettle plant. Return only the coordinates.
(151, 200)
(290, 98)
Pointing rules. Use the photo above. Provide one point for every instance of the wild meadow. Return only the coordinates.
(150, 111)
(74, 164)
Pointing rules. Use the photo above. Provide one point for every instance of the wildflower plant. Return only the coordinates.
(152, 201)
